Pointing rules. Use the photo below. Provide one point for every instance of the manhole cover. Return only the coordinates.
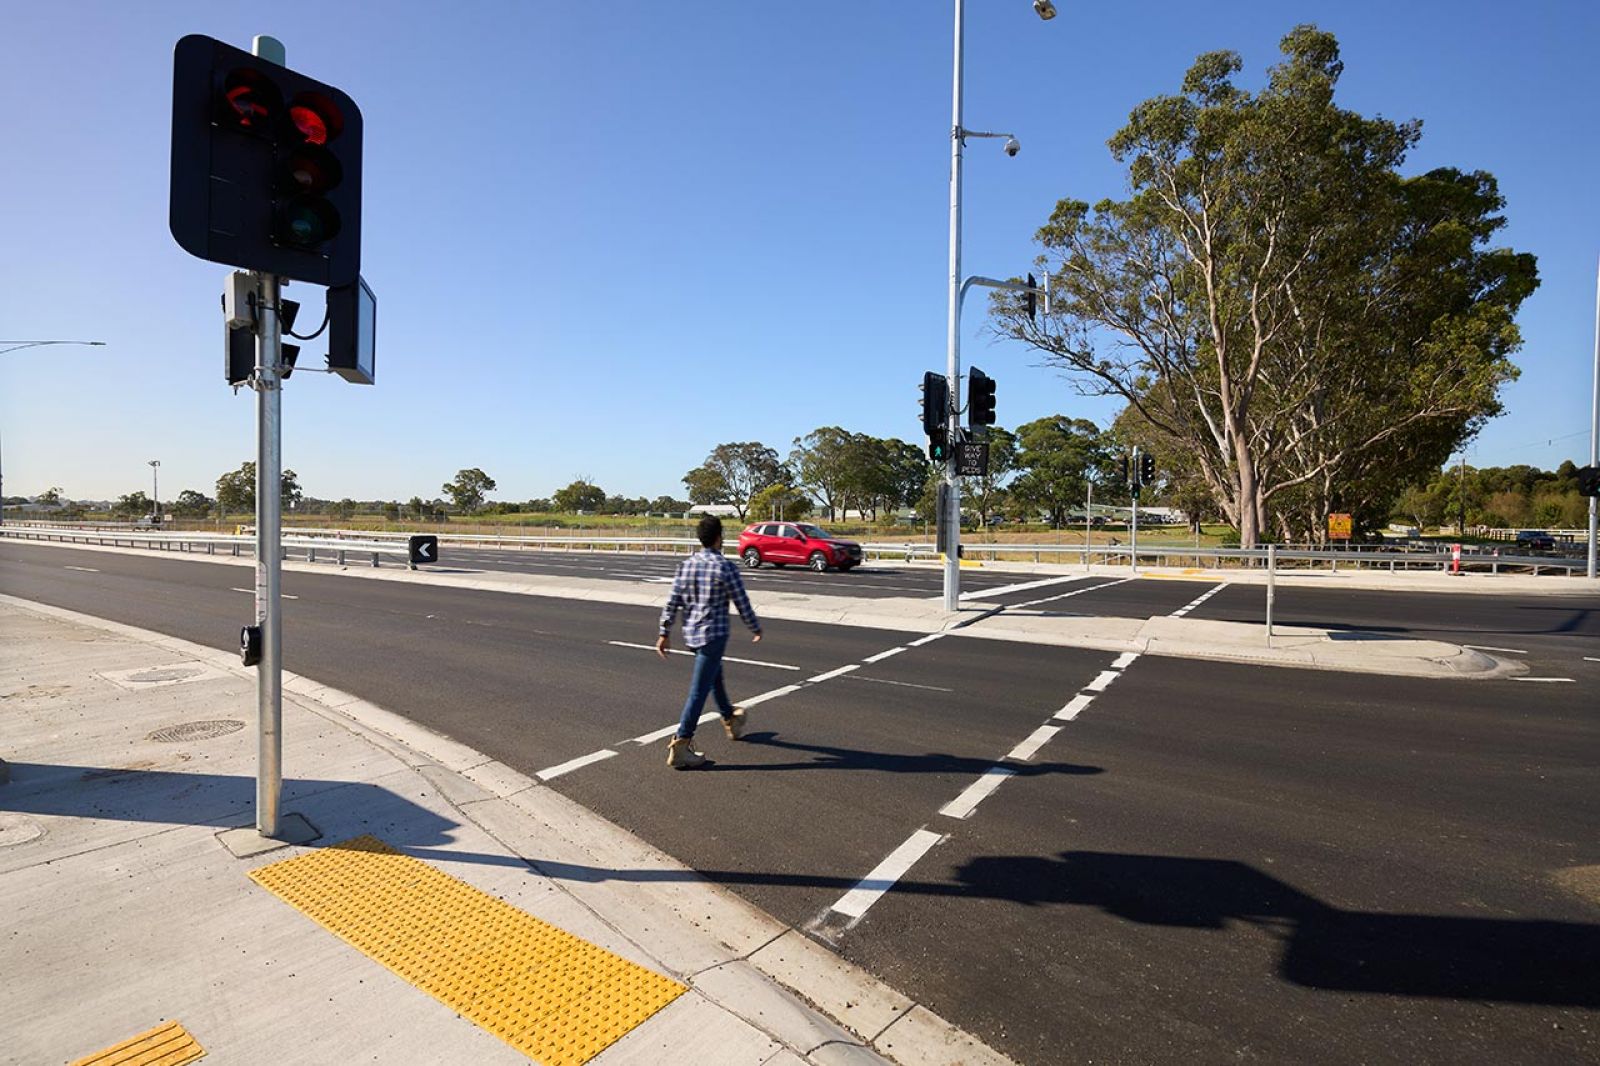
(15, 829)
(167, 673)
(175, 734)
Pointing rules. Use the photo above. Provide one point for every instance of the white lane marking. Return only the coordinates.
(285, 595)
(1198, 600)
(902, 684)
(573, 764)
(1542, 679)
(666, 731)
(1074, 707)
(1125, 660)
(1590, 659)
(1036, 740)
(1076, 592)
(882, 655)
(920, 641)
(854, 903)
(1490, 647)
(975, 793)
(725, 658)
(840, 672)
(774, 694)
(1101, 681)
(978, 594)
(85, 569)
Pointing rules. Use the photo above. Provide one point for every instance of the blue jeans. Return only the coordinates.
(707, 681)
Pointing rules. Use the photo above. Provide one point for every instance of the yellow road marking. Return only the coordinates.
(553, 996)
(165, 1045)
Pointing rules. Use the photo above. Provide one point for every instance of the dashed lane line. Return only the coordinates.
(882, 655)
(1102, 680)
(1074, 592)
(831, 674)
(1074, 707)
(901, 684)
(1036, 740)
(252, 592)
(963, 805)
(1544, 679)
(920, 641)
(1026, 586)
(85, 569)
(1490, 647)
(725, 658)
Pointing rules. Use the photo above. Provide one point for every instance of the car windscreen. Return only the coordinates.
(813, 533)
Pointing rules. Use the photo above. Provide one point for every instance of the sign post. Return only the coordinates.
(1272, 586)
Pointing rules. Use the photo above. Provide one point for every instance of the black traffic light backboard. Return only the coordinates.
(266, 166)
(980, 398)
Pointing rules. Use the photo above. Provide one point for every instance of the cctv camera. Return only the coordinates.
(1045, 8)
(1012, 146)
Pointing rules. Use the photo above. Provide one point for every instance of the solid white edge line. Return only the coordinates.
(1590, 659)
(882, 655)
(1125, 660)
(1074, 707)
(978, 594)
(1102, 681)
(840, 672)
(252, 592)
(975, 793)
(1036, 740)
(573, 764)
(765, 696)
(1490, 647)
(725, 658)
(854, 903)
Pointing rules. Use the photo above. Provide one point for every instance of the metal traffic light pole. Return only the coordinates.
(269, 518)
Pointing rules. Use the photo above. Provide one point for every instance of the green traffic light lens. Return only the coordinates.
(307, 223)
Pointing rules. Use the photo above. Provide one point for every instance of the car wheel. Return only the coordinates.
(818, 562)
(752, 558)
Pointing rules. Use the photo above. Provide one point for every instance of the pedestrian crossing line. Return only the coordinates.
(967, 802)
(856, 902)
(573, 764)
(1198, 600)
(1074, 592)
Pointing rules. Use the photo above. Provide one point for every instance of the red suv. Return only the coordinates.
(785, 543)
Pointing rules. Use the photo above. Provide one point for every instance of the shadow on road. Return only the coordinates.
(829, 757)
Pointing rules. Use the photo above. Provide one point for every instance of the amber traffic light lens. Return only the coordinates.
(311, 171)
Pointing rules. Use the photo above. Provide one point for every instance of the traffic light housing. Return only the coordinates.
(935, 403)
(939, 446)
(1589, 481)
(1147, 468)
(980, 399)
(266, 166)
(1032, 298)
(352, 332)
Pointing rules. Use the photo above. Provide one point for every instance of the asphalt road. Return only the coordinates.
(1206, 862)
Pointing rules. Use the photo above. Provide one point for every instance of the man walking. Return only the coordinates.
(705, 583)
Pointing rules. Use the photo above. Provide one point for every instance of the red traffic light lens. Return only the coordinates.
(315, 119)
(307, 223)
(249, 100)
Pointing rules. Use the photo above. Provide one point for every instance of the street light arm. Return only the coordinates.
(19, 345)
(963, 134)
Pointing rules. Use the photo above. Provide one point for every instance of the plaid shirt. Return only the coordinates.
(705, 582)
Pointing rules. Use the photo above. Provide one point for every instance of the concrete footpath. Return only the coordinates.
(125, 877)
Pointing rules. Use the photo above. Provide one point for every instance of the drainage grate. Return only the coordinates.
(176, 734)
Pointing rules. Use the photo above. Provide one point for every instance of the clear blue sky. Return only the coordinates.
(606, 237)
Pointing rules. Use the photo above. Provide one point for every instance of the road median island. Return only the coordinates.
(1302, 647)
(115, 816)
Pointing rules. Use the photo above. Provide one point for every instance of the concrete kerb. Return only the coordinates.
(732, 954)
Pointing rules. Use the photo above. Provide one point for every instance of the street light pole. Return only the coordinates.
(155, 491)
(952, 515)
(15, 346)
(958, 135)
(1594, 431)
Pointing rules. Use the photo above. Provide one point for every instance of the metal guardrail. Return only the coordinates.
(208, 543)
(340, 543)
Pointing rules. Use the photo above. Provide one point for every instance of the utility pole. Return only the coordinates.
(1461, 499)
(1594, 430)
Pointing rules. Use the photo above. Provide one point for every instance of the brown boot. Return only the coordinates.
(682, 756)
(734, 724)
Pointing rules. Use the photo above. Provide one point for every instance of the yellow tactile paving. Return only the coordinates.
(553, 996)
(165, 1045)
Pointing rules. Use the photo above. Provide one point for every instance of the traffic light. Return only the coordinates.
(1589, 481)
(1147, 468)
(352, 332)
(935, 403)
(939, 446)
(1126, 479)
(1033, 298)
(980, 399)
(266, 166)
